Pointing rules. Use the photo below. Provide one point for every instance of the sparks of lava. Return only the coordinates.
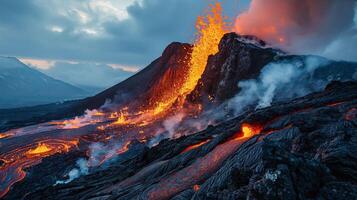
(210, 30)
(14, 162)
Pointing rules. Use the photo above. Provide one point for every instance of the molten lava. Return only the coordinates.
(210, 31)
(5, 135)
(40, 149)
(195, 146)
(195, 173)
(169, 93)
(21, 158)
(250, 130)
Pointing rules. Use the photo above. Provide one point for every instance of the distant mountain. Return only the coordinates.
(94, 78)
(21, 86)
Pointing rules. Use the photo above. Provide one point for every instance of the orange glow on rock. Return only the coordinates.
(195, 146)
(196, 187)
(250, 130)
(5, 135)
(247, 131)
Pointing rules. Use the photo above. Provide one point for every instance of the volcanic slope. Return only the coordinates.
(303, 148)
(239, 58)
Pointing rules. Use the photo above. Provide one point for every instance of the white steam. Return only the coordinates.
(81, 169)
(172, 123)
(281, 80)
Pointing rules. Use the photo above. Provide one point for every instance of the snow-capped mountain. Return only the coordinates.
(21, 85)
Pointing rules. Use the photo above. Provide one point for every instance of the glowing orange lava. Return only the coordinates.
(250, 130)
(24, 157)
(211, 29)
(125, 148)
(5, 135)
(195, 146)
(247, 131)
(171, 90)
(193, 174)
(40, 149)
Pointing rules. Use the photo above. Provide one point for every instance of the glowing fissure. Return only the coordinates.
(195, 146)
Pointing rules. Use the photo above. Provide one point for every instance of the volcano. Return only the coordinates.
(269, 152)
(229, 117)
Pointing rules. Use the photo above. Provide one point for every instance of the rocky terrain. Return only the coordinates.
(305, 149)
(296, 148)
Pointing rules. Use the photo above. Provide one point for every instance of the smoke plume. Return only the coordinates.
(299, 26)
(283, 80)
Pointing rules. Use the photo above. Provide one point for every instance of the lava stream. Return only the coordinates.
(195, 146)
(14, 162)
(202, 167)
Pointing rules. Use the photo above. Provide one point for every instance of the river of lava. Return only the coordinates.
(195, 173)
(14, 162)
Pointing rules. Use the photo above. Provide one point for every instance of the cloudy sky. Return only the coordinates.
(122, 34)
(127, 33)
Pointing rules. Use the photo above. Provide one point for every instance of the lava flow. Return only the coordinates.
(169, 93)
(202, 167)
(14, 162)
(195, 146)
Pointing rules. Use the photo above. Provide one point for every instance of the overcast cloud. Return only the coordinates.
(127, 34)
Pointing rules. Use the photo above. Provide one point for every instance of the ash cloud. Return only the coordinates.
(323, 27)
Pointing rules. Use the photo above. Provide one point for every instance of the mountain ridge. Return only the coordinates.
(24, 86)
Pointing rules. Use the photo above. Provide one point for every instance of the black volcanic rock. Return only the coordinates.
(243, 58)
(239, 58)
(306, 150)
